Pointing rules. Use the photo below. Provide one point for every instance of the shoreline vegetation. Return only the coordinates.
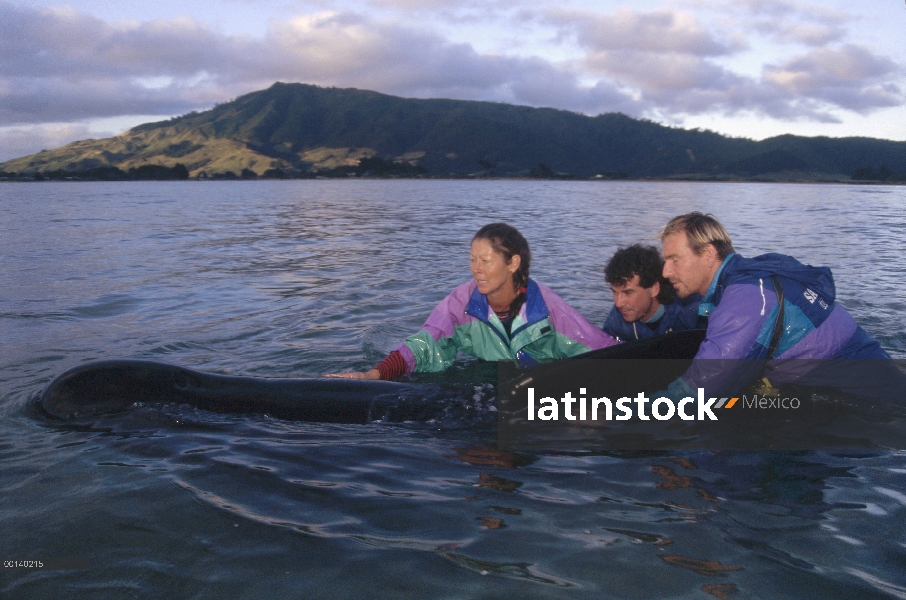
(376, 168)
(298, 131)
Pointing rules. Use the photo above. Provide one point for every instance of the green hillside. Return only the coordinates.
(296, 129)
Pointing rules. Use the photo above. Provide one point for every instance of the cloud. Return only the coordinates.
(849, 76)
(656, 73)
(56, 99)
(20, 141)
(346, 49)
(663, 31)
(64, 43)
(58, 65)
(677, 65)
(803, 33)
(419, 5)
(791, 22)
(61, 65)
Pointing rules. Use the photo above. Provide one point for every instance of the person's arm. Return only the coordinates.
(725, 357)
(391, 367)
(574, 333)
(432, 349)
(372, 374)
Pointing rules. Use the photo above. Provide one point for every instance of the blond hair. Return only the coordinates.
(701, 230)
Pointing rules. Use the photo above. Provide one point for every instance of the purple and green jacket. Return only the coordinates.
(741, 307)
(545, 328)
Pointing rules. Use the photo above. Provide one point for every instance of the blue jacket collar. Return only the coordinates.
(657, 314)
(478, 305)
(818, 279)
(706, 306)
(535, 307)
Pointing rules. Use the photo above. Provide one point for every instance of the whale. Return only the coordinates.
(828, 418)
(111, 386)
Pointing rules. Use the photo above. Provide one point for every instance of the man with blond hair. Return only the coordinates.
(770, 306)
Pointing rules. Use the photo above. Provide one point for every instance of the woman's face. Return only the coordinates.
(489, 269)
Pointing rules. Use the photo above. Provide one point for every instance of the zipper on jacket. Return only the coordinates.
(501, 335)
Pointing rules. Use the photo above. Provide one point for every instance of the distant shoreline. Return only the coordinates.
(301, 131)
(77, 179)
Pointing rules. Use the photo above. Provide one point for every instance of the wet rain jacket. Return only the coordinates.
(680, 315)
(741, 307)
(545, 328)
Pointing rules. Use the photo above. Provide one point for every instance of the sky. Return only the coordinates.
(744, 68)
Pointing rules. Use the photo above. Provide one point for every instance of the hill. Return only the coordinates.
(297, 129)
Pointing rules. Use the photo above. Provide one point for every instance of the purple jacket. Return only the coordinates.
(742, 309)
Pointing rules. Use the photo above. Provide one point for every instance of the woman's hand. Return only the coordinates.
(372, 374)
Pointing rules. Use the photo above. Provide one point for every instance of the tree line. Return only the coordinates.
(141, 173)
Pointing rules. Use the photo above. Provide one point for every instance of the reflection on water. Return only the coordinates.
(303, 278)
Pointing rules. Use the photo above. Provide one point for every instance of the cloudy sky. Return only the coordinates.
(750, 68)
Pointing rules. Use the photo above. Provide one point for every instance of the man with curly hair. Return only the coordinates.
(644, 303)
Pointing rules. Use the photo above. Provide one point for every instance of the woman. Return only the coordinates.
(500, 315)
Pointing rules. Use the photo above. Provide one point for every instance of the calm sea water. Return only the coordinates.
(302, 278)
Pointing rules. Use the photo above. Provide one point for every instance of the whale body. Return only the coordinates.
(117, 385)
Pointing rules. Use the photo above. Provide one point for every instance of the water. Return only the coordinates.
(302, 278)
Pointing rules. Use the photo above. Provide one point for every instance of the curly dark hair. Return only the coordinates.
(644, 261)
